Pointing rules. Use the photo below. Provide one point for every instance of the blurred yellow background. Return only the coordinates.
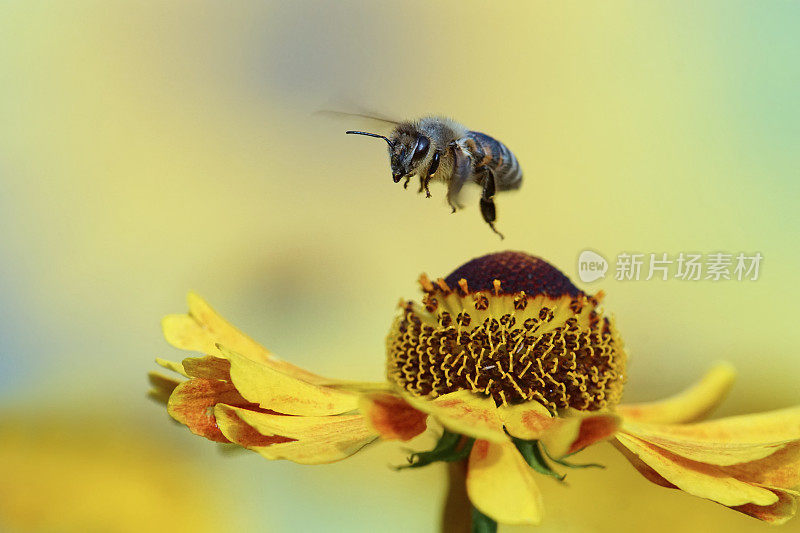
(146, 150)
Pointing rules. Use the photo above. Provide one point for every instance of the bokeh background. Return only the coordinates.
(150, 149)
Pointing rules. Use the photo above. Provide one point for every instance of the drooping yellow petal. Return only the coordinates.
(527, 421)
(501, 485)
(208, 367)
(694, 403)
(276, 391)
(464, 412)
(162, 387)
(643, 468)
(392, 417)
(771, 426)
(726, 441)
(172, 365)
(241, 433)
(316, 439)
(577, 431)
(699, 479)
(778, 513)
(203, 328)
(781, 469)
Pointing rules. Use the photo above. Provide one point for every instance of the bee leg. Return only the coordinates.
(405, 183)
(432, 168)
(461, 174)
(488, 209)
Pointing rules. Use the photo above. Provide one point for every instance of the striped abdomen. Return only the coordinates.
(487, 151)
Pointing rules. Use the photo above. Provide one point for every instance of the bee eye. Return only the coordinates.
(422, 148)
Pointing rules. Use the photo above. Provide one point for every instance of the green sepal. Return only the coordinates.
(530, 451)
(450, 447)
(567, 464)
(482, 523)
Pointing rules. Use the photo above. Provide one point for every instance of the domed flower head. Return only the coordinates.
(514, 368)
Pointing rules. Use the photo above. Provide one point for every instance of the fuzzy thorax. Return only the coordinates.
(510, 326)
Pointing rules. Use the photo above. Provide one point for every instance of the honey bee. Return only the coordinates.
(440, 149)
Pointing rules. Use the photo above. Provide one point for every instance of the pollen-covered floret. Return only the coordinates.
(510, 326)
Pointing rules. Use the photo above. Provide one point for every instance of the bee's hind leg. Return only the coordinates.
(488, 209)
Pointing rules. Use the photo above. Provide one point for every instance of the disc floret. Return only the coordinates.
(509, 326)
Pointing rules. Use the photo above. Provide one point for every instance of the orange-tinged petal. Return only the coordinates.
(528, 421)
(465, 413)
(192, 403)
(698, 479)
(777, 513)
(722, 453)
(771, 426)
(695, 403)
(392, 417)
(577, 431)
(726, 441)
(208, 367)
(643, 468)
(276, 391)
(241, 433)
(781, 469)
(203, 328)
(318, 439)
(501, 485)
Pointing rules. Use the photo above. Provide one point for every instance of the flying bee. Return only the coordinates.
(440, 149)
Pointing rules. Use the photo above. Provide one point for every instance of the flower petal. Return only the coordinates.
(465, 413)
(392, 417)
(692, 404)
(192, 404)
(777, 513)
(726, 441)
(316, 439)
(527, 421)
(284, 393)
(162, 387)
(203, 328)
(172, 365)
(239, 432)
(577, 431)
(781, 469)
(208, 367)
(698, 479)
(643, 468)
(501, 485)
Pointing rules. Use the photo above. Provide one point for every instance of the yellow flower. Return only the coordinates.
(518, 366)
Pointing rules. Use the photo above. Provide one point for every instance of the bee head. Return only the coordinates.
(406, 152)
(407, 149)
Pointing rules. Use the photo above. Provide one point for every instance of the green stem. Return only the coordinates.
(459, 516)
(456, 514)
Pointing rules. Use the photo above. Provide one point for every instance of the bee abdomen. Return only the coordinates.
(487, 151)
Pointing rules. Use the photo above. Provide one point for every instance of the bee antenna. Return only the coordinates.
(368, 134)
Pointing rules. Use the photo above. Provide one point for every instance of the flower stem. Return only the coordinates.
(459, 516)
(456, 516)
